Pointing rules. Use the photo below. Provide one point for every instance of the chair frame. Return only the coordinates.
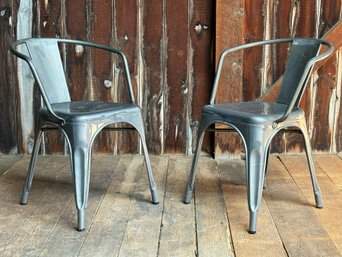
(257, 154)
(80, 135)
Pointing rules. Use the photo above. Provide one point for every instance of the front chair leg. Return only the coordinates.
(80, 154)
(30, 173)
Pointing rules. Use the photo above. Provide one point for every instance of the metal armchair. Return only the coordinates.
(79, 121)
(258, 122)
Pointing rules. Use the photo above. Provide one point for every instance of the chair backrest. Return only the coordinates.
(302, 51)
(46, 65)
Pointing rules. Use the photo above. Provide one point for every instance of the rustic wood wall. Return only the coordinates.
(171, 48)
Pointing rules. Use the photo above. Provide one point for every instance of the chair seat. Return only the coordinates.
(89, 111)
(251, 112)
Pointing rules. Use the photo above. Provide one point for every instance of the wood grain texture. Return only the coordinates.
(122, 222)
(229, 32)
(297, 225)
(232, 176)
(102, 66)
(201, 29)
(8, 124)
(127, 39)
(177, 75)
(155, 74)
(50, 25)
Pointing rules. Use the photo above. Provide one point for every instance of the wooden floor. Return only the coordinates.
(121, 221)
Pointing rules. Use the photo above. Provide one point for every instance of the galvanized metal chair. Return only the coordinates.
(258, 122)
(79, 121)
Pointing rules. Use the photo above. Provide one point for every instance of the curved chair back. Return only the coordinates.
(44, 59)
(302, 51)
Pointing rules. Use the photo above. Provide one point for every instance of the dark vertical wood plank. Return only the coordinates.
(229, 32)
(202, 29)
(76, 28)
(154, 88)
(127, 40)
(252, 59)
(8, 124)
(102, 76)
(50, 25)
(177, 33)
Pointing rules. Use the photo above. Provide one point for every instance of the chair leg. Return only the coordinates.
(316, 189)
(256, 155)
(30, 173)
(80, 154)
(137, 122)
(191, 181)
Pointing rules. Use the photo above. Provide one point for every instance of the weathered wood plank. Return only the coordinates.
(298, 227)
(267, 241)
(155, 74)
(63, 232)
(329, 216)
(144, 222)
(33, 226)
(202, 67)
(213, 232)
(50, 25)
(77, 59)
(109, 225)
(178, 231)
(177, 75)
(331, 165)
(252, 58)
(8, 123)
(127, 38)
(7, 161)
(102, 84)
(229, 32)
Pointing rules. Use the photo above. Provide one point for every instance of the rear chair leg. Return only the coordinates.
(30, 172)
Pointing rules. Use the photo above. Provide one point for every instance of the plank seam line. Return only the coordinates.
(132, 200)
(326, 174)
(96, 211)
(226, 209)
(196, 224)
(163, 208)
(281, 161)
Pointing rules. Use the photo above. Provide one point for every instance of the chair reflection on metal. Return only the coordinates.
(79, 121)
(258, 122)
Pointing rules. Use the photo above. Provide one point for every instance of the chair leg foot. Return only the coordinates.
(154, 194)
(252, 222)
(319, 201)
(80, 220)
(187, 196)
(24, 197)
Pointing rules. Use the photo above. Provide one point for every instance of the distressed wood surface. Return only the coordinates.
(229, 33)
(8, 127)
(121, 221)
(201, 33)
(50, 25)
(172, 50)
(155, 74)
